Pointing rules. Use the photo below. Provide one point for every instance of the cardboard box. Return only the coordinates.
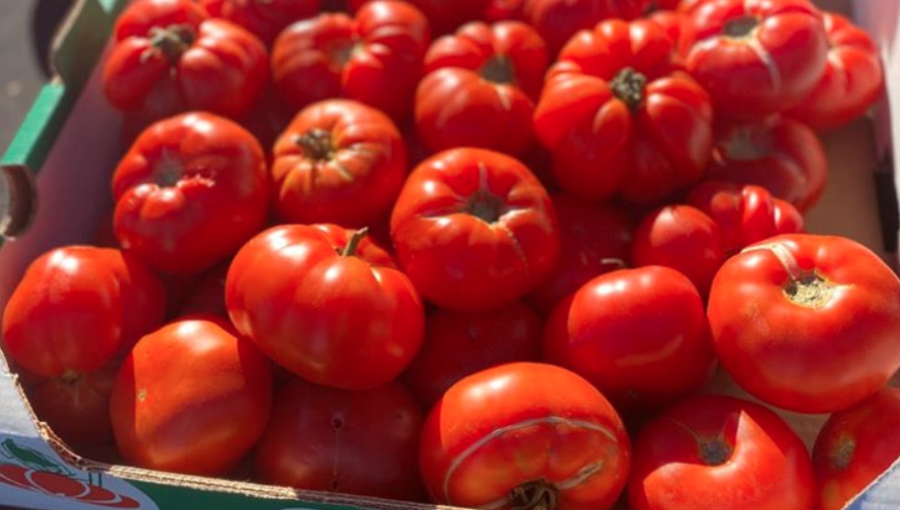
(54, 191)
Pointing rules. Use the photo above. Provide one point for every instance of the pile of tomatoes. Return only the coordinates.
(485, 253)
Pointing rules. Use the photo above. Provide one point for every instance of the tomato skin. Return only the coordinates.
(192, 397)
(189, 192)
(444, 16)
(559, 20)
(214, 66)
(853, 78)
(807, 322)
(474, 230)
(374, 58)
(766, 70)
(558, 424)
(500, 10)
(77, 307)
(719, 452)
(639, 335)
(348, 322)
(264, 18)
(855, 446)
(355, 442)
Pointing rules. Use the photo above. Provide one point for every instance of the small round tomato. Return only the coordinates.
(444, 16)
(559, 20)
(169, 57)
(524, 435)
(192, 397)
(474, 230)
(806, 322)
(354, 442)
(720, 452)
(264, 18)
(339, 161)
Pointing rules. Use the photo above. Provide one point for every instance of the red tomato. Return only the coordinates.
(355, 442)
(264, 18)
(444, 16)
(855, 446)
(639, 335)
(474, 230)
(745, 214)
(852, 81)
(78, 307)
(757, 57)
(374, 58)
(595, 239)
(170, 58)
(720, 452)
(189, 192)
(781, 155)
(807, 323)
(460, 344)
(678, 27)
(524, 435)
(558, 20)
(338, 161)
(480, 88)
(330, 309)
(499, 10)
(617, 118)
(192, 397)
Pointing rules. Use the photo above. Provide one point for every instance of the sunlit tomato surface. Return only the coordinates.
(189, 192)
(326, 304)
(524, 435)
(264, 18)
(353, 442)
(78, 307)
(374, 58)
(170, 57)
(720, 452)
(619, 119)
(559, 20)
(444, 16)
(192, 397)
(807, 322)
(474, 230)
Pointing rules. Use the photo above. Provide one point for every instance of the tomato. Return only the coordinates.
(678, 27)
(757, 57)
(781, 155)
(499, 10)
(444, 16)
(374, 58)
(855, 446)
(720, 452)
(169, 57)
(192, 397)
(264, 18)
(558, 20)
(524, 435)
(354, 442)
(460, 344)
(852, 81)
(480, 88)
(77, 307)
(326, 304)
(595, 239)
(339, 161)
(639, 335)
(745, 214)
(806, 322)
(474, 230)
(618, 119)
(189, 192)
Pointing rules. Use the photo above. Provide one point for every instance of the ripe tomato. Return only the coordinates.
(852, 80)
(374, 58)
(339, 161)
(639, 335)
(757, 57)
(169, 57)
(720, 452)
(855, 446)
(499, 10)
(355, 442)
(524, 435)
(807, 323)
(480, 88)
(192, 397)
(678, 27)
(558, 20)
(78, 307)
(460, 344)
(328, 306)
(474, 230)
(444, 16)
(264, 18)
(189, 192)
(617, 118)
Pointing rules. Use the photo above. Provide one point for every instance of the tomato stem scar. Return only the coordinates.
(499, 69)
(629, 86)
(741, 27)
(534, 495)
(803, 287)
(316, 144)
(172, 40)
(353, 243)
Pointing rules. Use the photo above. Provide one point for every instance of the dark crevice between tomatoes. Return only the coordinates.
(748, 144)
(499, 69)
(740, 28)
(172, 41)
(629, 87)
(809, 290)
(841, 456)
(714, 452)
(535, 495)
(316, 144)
